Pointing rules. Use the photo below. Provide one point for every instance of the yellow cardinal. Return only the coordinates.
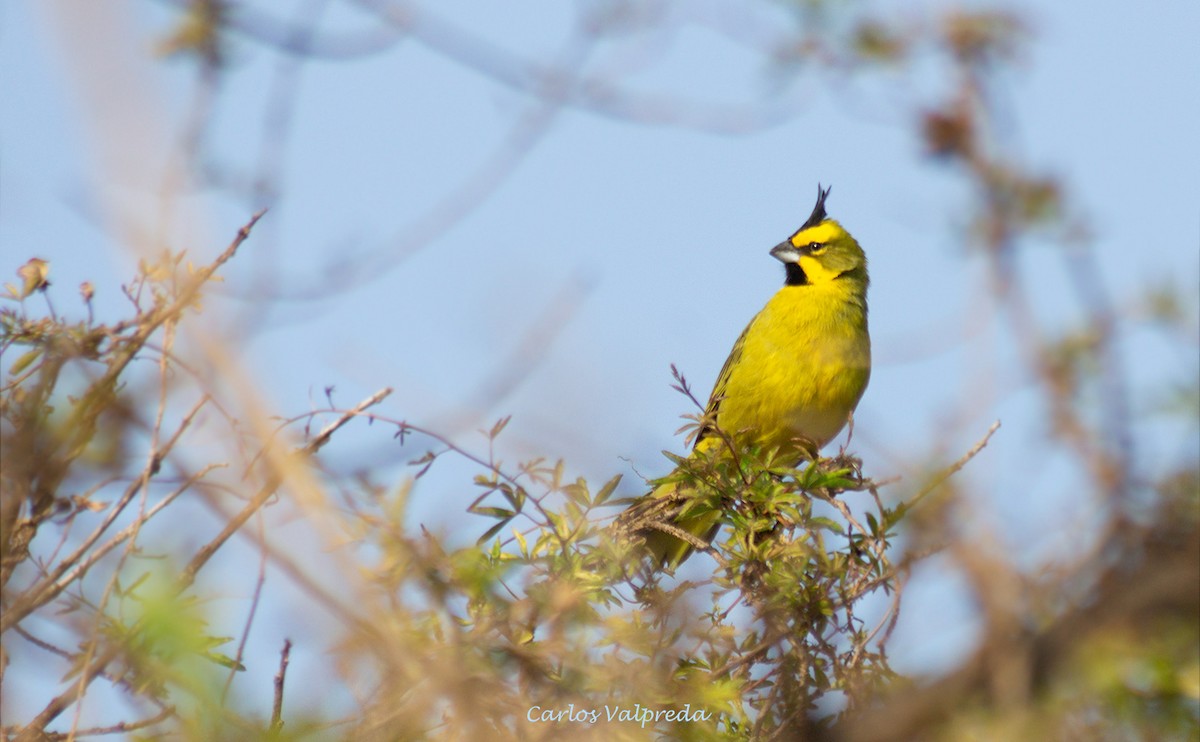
(792, 379)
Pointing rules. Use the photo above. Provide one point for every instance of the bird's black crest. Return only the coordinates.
(818, 212)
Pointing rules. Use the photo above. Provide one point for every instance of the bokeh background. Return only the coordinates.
(535, 209)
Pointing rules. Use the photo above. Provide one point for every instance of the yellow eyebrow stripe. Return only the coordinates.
(823, 232)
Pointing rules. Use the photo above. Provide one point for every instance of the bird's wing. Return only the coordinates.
(718, 392)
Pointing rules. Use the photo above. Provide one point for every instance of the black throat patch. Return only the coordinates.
(795, 275)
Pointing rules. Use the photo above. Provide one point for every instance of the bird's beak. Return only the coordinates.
(786, 252)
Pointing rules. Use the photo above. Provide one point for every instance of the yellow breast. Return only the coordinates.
(803, 364)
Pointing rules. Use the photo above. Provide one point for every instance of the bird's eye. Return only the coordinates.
(815, 247)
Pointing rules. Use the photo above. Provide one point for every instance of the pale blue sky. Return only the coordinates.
(649, 241)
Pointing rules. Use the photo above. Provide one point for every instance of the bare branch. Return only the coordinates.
(58, 579)
(956, 467)
(277, 707)
(206, 552)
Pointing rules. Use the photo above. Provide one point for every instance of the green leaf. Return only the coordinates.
(827, 524)
(895, 515)
(578, 492)
(556, 521)
(626, 500)
(492, 531)
(514, 495)
(606, 491)
(24, 361)
(492, 512)
(675, 459)
(224, 661)
(574, 514)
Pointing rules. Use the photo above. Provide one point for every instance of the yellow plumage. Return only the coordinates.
(794, 375)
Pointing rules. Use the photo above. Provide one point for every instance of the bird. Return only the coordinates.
(790, 384)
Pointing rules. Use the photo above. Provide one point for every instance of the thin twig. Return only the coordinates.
(302, 577)
(955, 467)
(277, 707)
(81, 426)
(694, 541)
(206, 552)
(147, 326)
(513, 479)
(125, 533)
(69, 656)
(118, 728)
(54, 582)
(254, 603)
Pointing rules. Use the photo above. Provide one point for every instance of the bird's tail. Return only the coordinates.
(670, 507)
